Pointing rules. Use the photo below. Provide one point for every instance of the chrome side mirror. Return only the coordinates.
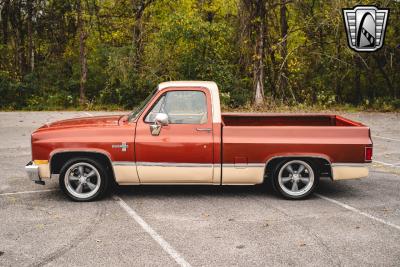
(160, 120)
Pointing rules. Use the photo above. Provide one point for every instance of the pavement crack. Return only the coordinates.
(79, 238)
(308, 230)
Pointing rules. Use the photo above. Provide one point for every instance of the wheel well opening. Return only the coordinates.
(58, 160)
(323, 165)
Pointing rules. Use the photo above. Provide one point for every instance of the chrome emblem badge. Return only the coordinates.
(123, 146)
(365, 27)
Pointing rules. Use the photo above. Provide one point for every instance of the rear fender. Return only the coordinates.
(271, 160)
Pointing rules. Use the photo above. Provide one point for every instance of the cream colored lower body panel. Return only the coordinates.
(217, 174)
(125, 173)
(345, 172)
(44, 171)
(244, 174)
(175, 173)
(186, 173)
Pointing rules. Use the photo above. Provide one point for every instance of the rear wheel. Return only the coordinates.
(83, 179)
(296, 179)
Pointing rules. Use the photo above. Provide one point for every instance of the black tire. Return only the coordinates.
(285, 189)
(102, 183)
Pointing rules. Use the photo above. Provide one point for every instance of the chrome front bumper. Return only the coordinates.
(32, 170)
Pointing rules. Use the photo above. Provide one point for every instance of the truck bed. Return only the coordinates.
(255, 138)
(250, 119)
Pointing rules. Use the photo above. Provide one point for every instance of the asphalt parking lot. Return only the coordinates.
(347, 223)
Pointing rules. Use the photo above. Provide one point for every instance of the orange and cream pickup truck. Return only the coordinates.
(179, 136)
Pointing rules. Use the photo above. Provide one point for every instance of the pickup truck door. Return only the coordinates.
(183, 150)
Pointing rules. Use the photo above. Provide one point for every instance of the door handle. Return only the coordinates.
(203, 129)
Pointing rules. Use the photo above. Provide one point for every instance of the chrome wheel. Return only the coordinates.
(82, 180)
(296, 178)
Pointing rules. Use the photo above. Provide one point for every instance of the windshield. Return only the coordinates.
(138, 110)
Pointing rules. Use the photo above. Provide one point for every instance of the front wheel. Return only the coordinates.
(83, 179)
(296, 179)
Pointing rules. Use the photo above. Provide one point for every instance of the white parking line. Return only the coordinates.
(28, 192)
(386, 138)
(387, 164)
(87, 113)
(359, 211)
(164, 244)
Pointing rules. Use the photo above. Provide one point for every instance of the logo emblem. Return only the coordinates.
(365, 26)
(123, 146)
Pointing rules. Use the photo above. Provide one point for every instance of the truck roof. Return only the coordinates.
(209, 85)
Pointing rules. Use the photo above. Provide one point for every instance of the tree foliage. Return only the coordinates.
(61, 54)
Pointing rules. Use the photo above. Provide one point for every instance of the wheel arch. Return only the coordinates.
(58, 159)
(323, 163)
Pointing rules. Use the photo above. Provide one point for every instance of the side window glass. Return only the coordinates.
(186, 107)
(182, 107)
